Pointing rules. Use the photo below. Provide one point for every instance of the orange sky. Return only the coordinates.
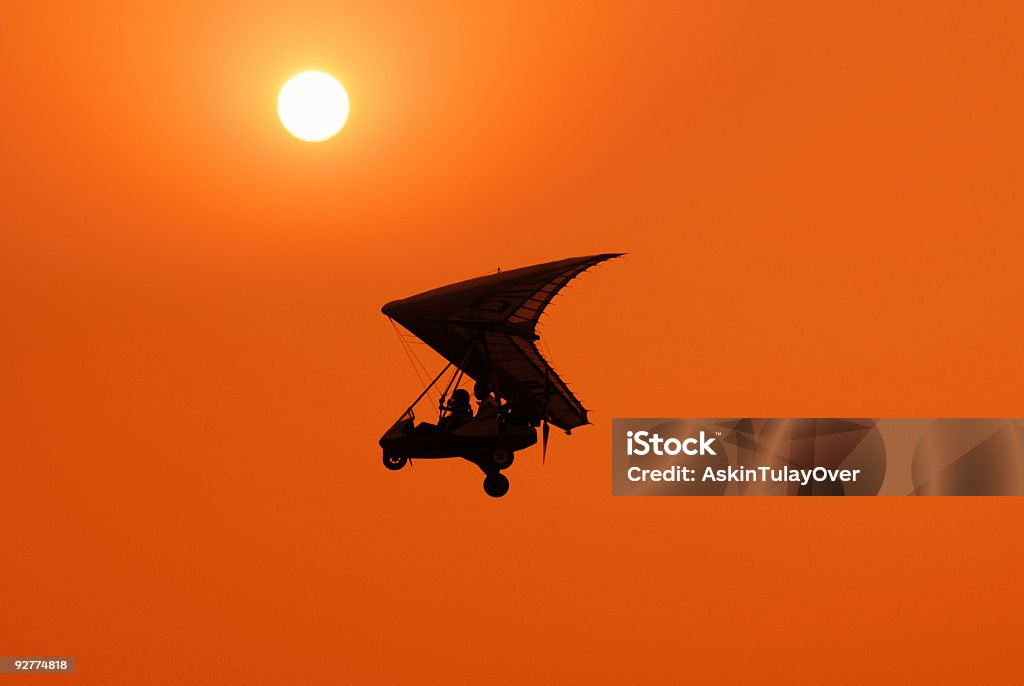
(821, 202)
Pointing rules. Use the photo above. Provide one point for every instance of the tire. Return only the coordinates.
(394, 463)
(502, 458)
(496, 485)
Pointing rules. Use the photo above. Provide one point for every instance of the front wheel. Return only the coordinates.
(394, 463)
(496, 485)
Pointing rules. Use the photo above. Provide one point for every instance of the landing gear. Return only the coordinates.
(502, 458)
(496, 485)
(394, 463)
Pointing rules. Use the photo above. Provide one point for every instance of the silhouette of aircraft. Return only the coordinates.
(486, 329)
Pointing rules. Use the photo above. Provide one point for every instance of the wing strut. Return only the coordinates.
(424, 392)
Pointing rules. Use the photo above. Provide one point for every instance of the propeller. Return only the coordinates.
(547, 401)
(544, 442)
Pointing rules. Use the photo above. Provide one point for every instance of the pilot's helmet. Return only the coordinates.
(482, 390)
(460, 397)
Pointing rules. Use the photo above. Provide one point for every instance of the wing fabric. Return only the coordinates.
(487, 327)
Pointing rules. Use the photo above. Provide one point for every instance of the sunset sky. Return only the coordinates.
(821, 203)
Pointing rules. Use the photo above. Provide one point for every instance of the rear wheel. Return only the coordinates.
(394, 463)
(496, 485)
(502, 458)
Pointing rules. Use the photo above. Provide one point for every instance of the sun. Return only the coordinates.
(313, 106)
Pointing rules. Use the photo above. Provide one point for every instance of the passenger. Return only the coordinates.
(486, 405)
(459, 411)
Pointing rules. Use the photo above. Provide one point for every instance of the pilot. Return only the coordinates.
(486, 405)
(459, 411)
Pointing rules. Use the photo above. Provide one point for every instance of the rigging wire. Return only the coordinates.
(410, 340)
(414, 360)
(405, 348)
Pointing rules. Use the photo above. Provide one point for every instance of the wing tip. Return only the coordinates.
(604, 257)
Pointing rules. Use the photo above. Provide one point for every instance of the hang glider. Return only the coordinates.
(487, 329)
